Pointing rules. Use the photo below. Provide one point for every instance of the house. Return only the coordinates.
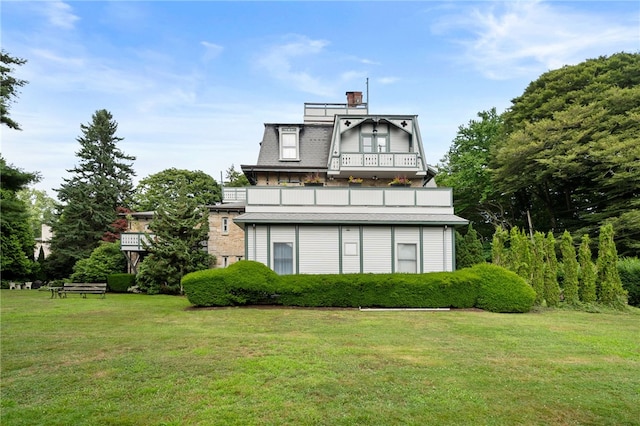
(225, 241)
(304, 213)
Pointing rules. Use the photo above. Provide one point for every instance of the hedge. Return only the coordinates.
(120, 283)
(486, 286)
(629, 271)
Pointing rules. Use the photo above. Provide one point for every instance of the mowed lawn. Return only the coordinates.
(152, 360)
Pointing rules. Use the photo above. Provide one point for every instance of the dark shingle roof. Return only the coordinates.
(315, 142)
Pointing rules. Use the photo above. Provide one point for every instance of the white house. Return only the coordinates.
(355, 221)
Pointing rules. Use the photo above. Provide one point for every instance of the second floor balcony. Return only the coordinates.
(377, 163)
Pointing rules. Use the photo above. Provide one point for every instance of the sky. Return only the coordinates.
(191, 84)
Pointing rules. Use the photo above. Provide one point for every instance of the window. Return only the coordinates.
(289, 143)
(350, 249)
(374, 143)
(407, 258)
(225, 226)
(283, 258)
(225, 261)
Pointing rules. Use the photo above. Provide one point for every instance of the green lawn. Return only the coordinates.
(151, 360)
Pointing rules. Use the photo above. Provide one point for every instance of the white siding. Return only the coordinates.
(257, 249)
(399, 140)
(377, 249)
(433, 242)
(448, 249)
(351, 236)
(318, 250)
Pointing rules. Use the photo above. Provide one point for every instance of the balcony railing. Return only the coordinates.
(382, 160)
(232, 195)
(135, 241)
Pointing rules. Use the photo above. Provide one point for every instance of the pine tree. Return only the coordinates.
(570, 269)
(587, 276)
(99, 184)
(520, 254)
(469, 250)
(551, 288)
(180, 226)
(498, 252)
(538, 266)
(611, 291)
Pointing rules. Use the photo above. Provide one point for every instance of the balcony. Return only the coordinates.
(375, 162)
(233, 195)
(135, 241)
(326, 112)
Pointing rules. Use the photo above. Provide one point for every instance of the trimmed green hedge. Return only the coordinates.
(502, 290)
(244, 282)
(120, 283)
(247, 282)
(629, 271)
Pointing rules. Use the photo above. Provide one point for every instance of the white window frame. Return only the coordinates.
(406, 263)
(289, 143)
(376, 145)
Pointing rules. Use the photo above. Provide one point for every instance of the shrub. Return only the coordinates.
(502, 290)
(106, 259)
(120, 283)
(629, 271)
(243, 282)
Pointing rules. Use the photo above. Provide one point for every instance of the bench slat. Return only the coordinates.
(83, 288)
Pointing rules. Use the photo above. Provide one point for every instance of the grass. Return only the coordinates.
(151, 360)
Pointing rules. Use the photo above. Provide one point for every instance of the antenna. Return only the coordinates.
(367, 94)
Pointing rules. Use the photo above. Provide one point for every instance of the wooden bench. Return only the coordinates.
(83, 289)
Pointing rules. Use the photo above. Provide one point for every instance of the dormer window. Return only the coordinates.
(289, 143)
(375, 142)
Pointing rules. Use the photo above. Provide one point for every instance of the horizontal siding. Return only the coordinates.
(318, 250)
(433, 242)
(351, 235)
(377, 249)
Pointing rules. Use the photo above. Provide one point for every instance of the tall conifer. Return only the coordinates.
(570, 268)
(99, 184)
(551, 288)
(587, 276)
(611, 291)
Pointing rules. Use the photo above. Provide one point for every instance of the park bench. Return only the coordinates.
(82, 288)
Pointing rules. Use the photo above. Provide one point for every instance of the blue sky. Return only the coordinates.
(191, 83)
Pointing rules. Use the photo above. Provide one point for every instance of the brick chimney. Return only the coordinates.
(354, 98)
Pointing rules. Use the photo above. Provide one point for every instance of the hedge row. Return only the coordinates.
(246, 282)
(629, 271)
(120, 283)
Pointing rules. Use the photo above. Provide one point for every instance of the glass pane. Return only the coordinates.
(283, 258)
(407, 258)
(367, 144)
(382, 144)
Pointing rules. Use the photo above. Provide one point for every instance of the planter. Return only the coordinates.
(313, 184)
(400, 184)
(355, 183)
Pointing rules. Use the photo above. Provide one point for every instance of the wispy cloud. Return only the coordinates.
(387, 80)
(511, 39)
(281, 62)
(59, 14)
(211, 50)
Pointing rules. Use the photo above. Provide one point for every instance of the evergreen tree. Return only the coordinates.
(520, 254)
(469, 250)
(587, 276)
(180, 226)
(9, 86)
(538, 266)
(99, 184)
(235, 179)
(570, 269)
(498, 251)
(611, 291)
(551, 288)
(17, 241)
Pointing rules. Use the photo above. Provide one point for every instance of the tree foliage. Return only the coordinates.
(551, 287)
(570, 287)
(180, 226)
(9, 87)
(235, 179)
(40, 206)
(168, 184)
(538, 267)
(99, 184)
(464, 168)
(106, 259)
(587, 277)
(17, 241)
(469, 249)
(570, 153)
(609, 283)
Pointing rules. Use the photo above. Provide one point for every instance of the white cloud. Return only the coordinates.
(212, 50)
(59, 14)
(387, 80)
(512, 39)
(281, 62)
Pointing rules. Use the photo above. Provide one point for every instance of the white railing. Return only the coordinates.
(386, 160)
(135, 241)
(231, 195)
